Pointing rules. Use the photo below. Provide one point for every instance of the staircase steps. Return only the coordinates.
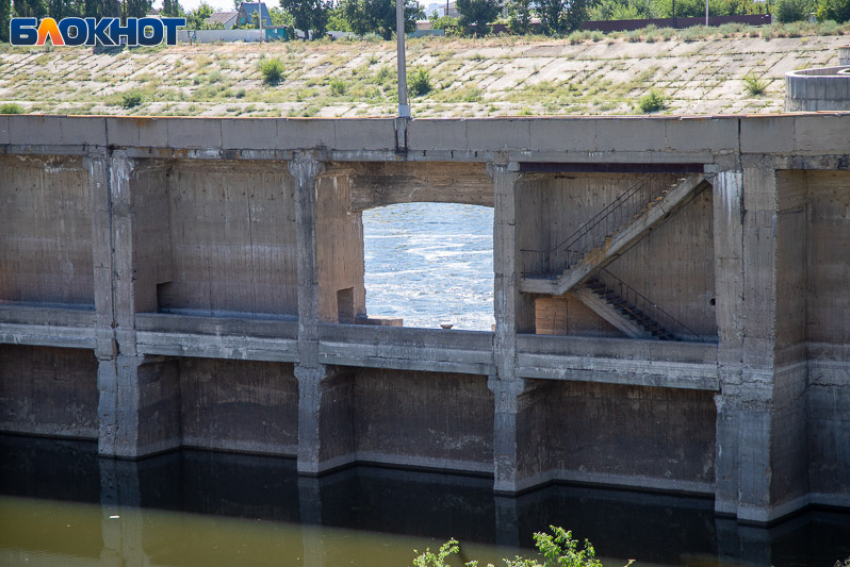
(630, 312)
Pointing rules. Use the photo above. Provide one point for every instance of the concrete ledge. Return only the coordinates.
(37, 325)
(667, 364)
(426, 463)
(551, 139)
(82, 316)
(466, 352)
(242, 447)
(217, 337)
(222, 347)
(235, 326)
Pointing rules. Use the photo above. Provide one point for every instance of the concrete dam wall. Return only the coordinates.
(671, 298)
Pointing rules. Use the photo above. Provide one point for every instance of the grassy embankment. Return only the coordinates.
(693, 71)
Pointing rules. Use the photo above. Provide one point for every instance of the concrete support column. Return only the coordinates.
(304, 169)
(325, 394)
(139, 402)
(514, 313)
(326, 437)
(760, 475)
(729, 289)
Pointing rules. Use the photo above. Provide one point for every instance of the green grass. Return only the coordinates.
(271, 70)
(754, 85)
(11, 108)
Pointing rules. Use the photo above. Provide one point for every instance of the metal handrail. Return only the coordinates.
(603, 214)
(638, 304)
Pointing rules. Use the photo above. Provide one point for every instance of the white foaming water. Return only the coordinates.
(430, 263)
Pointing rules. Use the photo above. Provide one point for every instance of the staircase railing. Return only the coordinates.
(638, 304)
(592, 234)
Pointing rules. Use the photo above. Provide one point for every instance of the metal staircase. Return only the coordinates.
(609, 234)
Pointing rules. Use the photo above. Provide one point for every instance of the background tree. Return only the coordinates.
(59, 9)
(448, 24)
(476, 15)
(519, 16)
(308, 15)
(137, 8)
(197, 18)
(356, 15)
(5, 16)
(30, 8)
(382, 13)
(563, 16)
(171, 8)
(837, 10)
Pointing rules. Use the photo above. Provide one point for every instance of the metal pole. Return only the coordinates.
(403, 107)
(706, 13)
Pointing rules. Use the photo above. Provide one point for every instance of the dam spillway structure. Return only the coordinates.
(671, 298)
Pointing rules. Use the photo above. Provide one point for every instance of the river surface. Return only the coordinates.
(430, 263)
(60, 505)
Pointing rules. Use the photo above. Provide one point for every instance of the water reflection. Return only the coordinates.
(64, 506)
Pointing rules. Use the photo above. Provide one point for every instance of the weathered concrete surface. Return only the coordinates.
(209, 272)
(818, 90)
(48, 391)
(639, 435)
(45, 231)
(238, 406)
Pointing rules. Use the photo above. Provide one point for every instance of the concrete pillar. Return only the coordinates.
(325, 419)
(325, 394)
(139, 404)
(304, 169)
(728, 246)
(514, 313)
(760, 438)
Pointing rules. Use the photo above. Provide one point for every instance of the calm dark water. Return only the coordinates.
(62, 505)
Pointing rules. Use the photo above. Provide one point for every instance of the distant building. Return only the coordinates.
(247, 11)
(439, 8)
(227, 19)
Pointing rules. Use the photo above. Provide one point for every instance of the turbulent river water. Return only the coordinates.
(430, 263)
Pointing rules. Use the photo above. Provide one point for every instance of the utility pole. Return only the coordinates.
(403, 107)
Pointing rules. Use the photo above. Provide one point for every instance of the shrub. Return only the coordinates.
(790, 10)
(338, 87)
(11, 108)
(132, 99)
(272, 71)
(754, 85)
(558, 549)
(652, 102)
(420, 82)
